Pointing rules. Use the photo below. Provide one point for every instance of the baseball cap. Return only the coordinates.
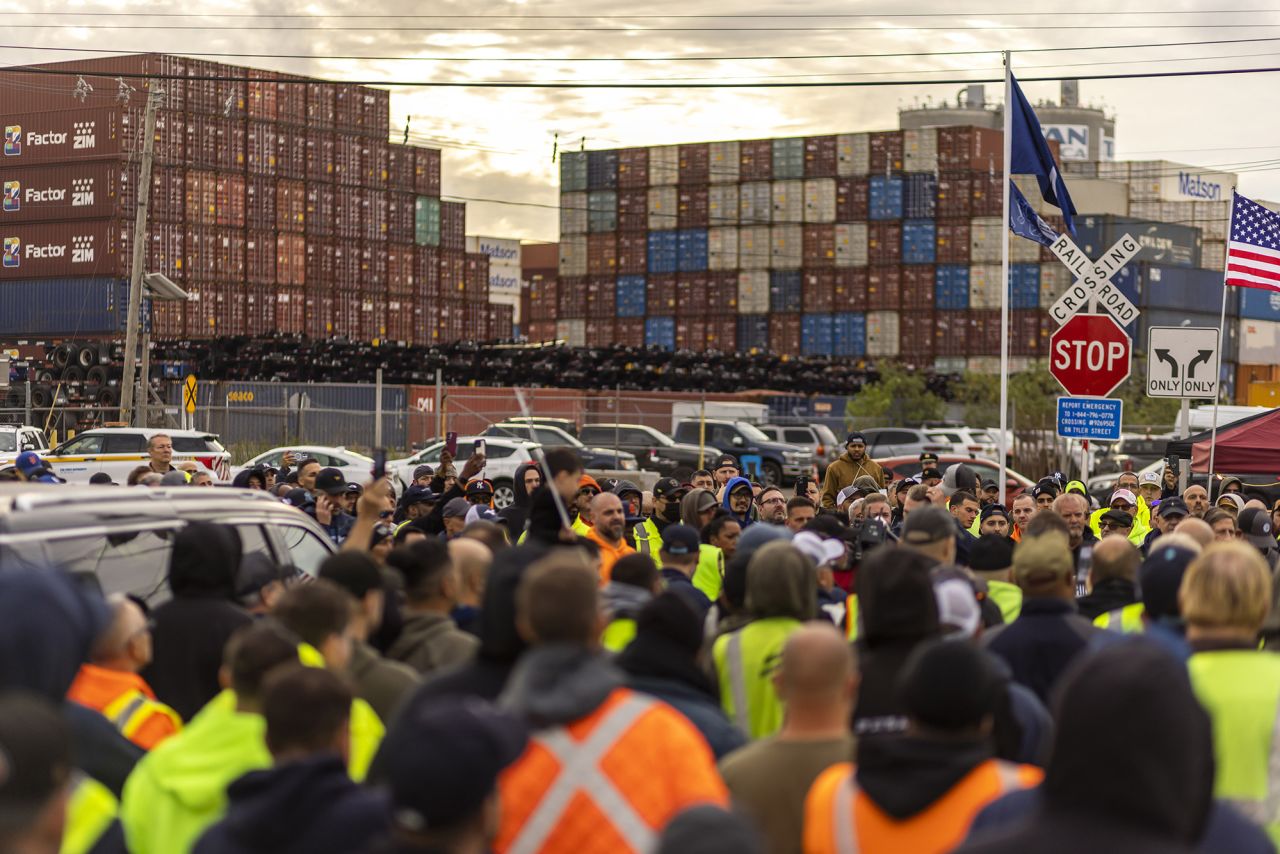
(1119, 517)
(331, 482)
(418, 495)
(707, 499)
(847, 494)
(725, 460)
(480, 513)
(1043, 489)
(355, 489)
(444, 759)
(423, 471)
(1159, 578)
(1233, 499)
(855, 436)
(958, 611)
(930, 472)
(668, 487)
(479, 486)
(101, 477)
(177, 477)
(1149, 477)
(35, 752)
(587, 481)
(1123, 495)
(457, 508)
(927, 525)
(990, 484)
(1255, 526)
(680, 540)
(1038, 559)
(905, 484)
(29, 463)
(626, 487)
(820, 551)
(740, 486)
(994, 510)
(1172, 507)
(928, 457)
(866, 484)
(957, 477)
(991, 553)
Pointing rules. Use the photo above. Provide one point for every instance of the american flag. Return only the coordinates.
(1253, 255)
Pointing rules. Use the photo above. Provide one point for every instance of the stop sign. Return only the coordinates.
(1089, 355)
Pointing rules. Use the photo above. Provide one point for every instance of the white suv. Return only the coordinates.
(502, 458)
(119, 450)
(16, 438)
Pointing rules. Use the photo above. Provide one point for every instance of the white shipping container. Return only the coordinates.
(722, 204)
(753, 292)
(1094, 196)
(664, 165)
(984, 286)
(985, 236)
(920, 150)
(1259, 342)
(949, 364)
(820, 200)
(1182, 183)
(501, 250)
(725, 162)
(1055, 278)
(755, 203)
(986, 364)
(851, 244)
(1147, 211)
(1213, 255)
(1113, 170)
(573, 213)
(573, 255)
(754, 247)
(572, 332)
(787, 247)
(788, 201)
(504, 278)
(1212, 218)
(882, 333)
(664, 206)
(1182, 213)
(853, 155)
(722, 248)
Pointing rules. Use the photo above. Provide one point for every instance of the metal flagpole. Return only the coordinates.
(1003, 444)
(1222, 328)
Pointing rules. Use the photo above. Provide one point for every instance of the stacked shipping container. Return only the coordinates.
(275, 201)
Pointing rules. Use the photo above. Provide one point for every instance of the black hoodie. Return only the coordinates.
(299, 807)
(191, 629)
(518, 513)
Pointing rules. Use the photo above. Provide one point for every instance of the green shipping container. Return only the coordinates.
(426, 221)
(788, 158)
(573, 171)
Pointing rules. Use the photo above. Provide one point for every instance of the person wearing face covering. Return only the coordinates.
(191, 629)
(667, 493)
(696, 509)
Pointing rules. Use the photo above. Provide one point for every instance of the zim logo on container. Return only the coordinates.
(13, 140)
(82, 250)
(13, 252)
(83, 135)
(81, 192)
(12, 195)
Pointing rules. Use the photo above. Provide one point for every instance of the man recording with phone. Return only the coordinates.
(449, 485)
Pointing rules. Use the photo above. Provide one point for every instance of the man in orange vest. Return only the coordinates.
(109, 682)
(919, 793)
(609, 532)
(606, 768)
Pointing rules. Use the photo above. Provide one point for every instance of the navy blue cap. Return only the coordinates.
(1172, 506)
(855, 436)
(680, 540)
(994, 510)
(418, 494)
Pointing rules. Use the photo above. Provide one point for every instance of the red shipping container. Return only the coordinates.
(691, 333)
(851, 200)
(93, 190)
(233, 142)
(633, 168)
(984, 332)
(629, 332)
(1028, 332)
(373, 164)
(260, 203)
(260, 258)
(319, 216)
(917, 287)
(693, 207)
(291, 259)
(346, 211)
(755, 160)
(453, 320)
(262, 146)
(376, 113)
(426, 171)
(784, 334)
(204, 141)
(229, 190)
(542, 296)
(884, 242)
(229, 251)
(291, 206)
(722, 333)
(501, 322)
(291, 152)
(915, 335)
(399, 268)
(988, 195)
(373, 215)
(820, 157)
(970, 148)
(373, 317)
(373, 266)
(400, 217)
(291, 100)
(167, 252)
(884, 288)
(346, 266)
(886, 152)
(722, 294)
(695, 164)
(67, 135)
(201, 261)
(399, 167)
(348, 151)
(601, 298)
(476, 277)
(321, 153)
(602, 254)
(540, 330)
(170, 138)
(261, 94)
(633, 210)
(346, 315)
(404, 317)
(691, 294)
(319, 270)
(453, 274)
(319, 312)
(260, 311)
(600, 333)
(818, 291)
(819, 246)
(952, 241)
(426, 272)
(453, 225)
(951, 333)
(660, 295)
(632, 252)
(320, 106)
(346, 107)
(571, 297)
(168, 320)
(850, 291)
(955, 194)
(31, 91)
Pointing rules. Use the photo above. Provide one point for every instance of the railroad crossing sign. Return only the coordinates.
(1089, 355)
(189, 394)
(1182, 361)
(1093, 280)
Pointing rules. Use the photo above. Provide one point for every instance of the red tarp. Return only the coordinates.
(1252, 445)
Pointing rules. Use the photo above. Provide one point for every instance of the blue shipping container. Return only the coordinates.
(951, 287)
(753, 332)
(921, 201)
(1166, 243)
(691, 248)
(1185, 288)
(602, 170)
(66, 306)
(885, 197)
(660, 332)
(1024, 281)
(815, 335)
(1257, 304)
(849, 334)
(785, 290)
(663, 252)
(631, 296)
(919, 241)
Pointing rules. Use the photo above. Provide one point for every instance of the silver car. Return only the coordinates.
(817, 438)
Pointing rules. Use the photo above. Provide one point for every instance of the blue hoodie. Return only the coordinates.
(746, 521)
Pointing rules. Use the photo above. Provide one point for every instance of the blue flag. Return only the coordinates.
(1025, 222)
(1031, 156)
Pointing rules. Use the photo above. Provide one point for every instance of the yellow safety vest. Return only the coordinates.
(90, 812)
(745, 661)
(1128, 620)
(130, 711)
(709, 576)
(619, 634)
(648, 539)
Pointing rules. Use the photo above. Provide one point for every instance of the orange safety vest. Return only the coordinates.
(609, 555)
(127, 701)
(608, 783)
(840, 819)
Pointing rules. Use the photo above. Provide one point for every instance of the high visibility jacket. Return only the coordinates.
(609, 554)
(619, 634)
(608, 783)
(580, 527)
(745, 661)
(90, 811)
(1240, 689)
(851, 627)
(709, 576)
(648, 539)
(127, 701)
(840, 819)
(1129, 620)
(1008, 598)
(1141, 522)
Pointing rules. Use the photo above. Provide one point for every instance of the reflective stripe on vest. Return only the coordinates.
(1128, 620)
(737, 680)
(580, 774)
(846, 835)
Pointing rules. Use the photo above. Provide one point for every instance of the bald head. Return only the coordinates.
(472, 558)
(816, 679)
(1197, 529)
(126, 643)
(607, 517)
(1114, 557)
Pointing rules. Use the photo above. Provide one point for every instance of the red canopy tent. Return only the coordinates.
(1250, 445)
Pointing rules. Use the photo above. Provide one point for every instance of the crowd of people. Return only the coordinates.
(712, 665)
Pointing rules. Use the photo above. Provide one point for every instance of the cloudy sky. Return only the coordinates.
(498, 143)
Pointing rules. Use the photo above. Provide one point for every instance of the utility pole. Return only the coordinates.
(134, 320)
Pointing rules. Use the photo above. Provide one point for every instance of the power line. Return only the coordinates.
(730, 16)
(762, 30)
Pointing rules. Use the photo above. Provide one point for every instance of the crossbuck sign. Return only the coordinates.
(1093, 280)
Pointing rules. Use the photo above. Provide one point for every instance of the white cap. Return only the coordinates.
(1126, 495)
(957, 608)
(1148, 477)
(820, 551)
